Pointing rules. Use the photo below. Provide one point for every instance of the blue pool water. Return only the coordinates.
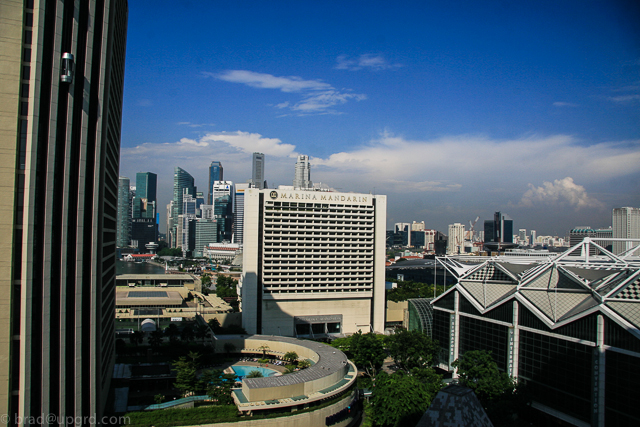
(243, 371)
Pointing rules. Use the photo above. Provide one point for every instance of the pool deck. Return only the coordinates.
(227, 366)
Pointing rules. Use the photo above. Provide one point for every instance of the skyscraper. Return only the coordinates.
(498, 232)
(223, 209)
(146, 186)
(183, 183)
(61, 95)
(215, 174)
(123, 233)
(302, 178)
(257, 171)
(455, 243)
(626, 224)
(238, 213)
(313, 263)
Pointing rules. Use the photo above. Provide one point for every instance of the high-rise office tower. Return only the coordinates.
(455, 243)
(123, 233)
(302, 178)
(498, 232)
(146, 186)
(533, 237)
(215, 174)
(257, 171)
(314, 263)
(61, 94)
(183, 183)
(223, 209)
(206, 233)
(238, 213)
(626, 224)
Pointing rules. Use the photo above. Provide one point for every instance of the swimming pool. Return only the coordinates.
(243, 371)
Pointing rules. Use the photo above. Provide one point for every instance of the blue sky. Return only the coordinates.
(452, 110)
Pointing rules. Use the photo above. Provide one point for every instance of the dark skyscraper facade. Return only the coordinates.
(215, 174)
(61, 94)
(498, 232)
(146, 186)
(257, 171)
(183, 183)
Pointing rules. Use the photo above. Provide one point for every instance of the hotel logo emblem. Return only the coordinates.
(273, 195)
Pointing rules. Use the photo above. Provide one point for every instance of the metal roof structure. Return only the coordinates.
(557, 289)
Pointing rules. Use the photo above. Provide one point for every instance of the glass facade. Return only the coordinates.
(215, 174)
(621, 393)
(557, 372)
(477, 334)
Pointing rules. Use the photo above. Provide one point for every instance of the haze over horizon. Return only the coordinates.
(451, 110)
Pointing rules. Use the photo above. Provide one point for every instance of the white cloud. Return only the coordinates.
(195, 125)
(373, 62)
(624, 98)
(455, 177)
(559, 192)
(318, 97)
(564, 104)
(268, 81)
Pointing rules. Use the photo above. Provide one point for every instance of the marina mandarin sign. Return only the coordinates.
(320, 197)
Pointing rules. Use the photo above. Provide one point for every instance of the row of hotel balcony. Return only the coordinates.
(340, 266)
(334, 280)
(302, 291)
(338, 255)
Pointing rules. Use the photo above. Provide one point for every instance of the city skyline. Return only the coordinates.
(452, 111)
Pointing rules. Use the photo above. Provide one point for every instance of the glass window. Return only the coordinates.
(303, 329)
(318, 328)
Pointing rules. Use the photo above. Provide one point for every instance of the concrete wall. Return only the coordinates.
(308, 419)
(355, 312)
(396, 310)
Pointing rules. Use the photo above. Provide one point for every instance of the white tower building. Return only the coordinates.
(302, 178)
(455, 243)
(314, 263)
(626, 224)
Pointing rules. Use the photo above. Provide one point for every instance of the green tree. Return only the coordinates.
(155, 339)
(201, 332)
(365, 350)
(226, 287)
(399, 399)
(159, 398)
(186, 380)
(229, 347)
(255, 374)
(291, 357)
(478, 371)
(136, 337)
(218, 386)
(412, 349)
(264, 349)
(172, 332)
(303, 364)
(205, 280)
(214, 324)
(187, 334)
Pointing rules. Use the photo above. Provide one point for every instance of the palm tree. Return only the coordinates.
(264, 349)
(155, 339)
(290, 356)
(255, 374)
(201, 332)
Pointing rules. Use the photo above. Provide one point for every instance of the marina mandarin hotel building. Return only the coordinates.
(313, 263)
